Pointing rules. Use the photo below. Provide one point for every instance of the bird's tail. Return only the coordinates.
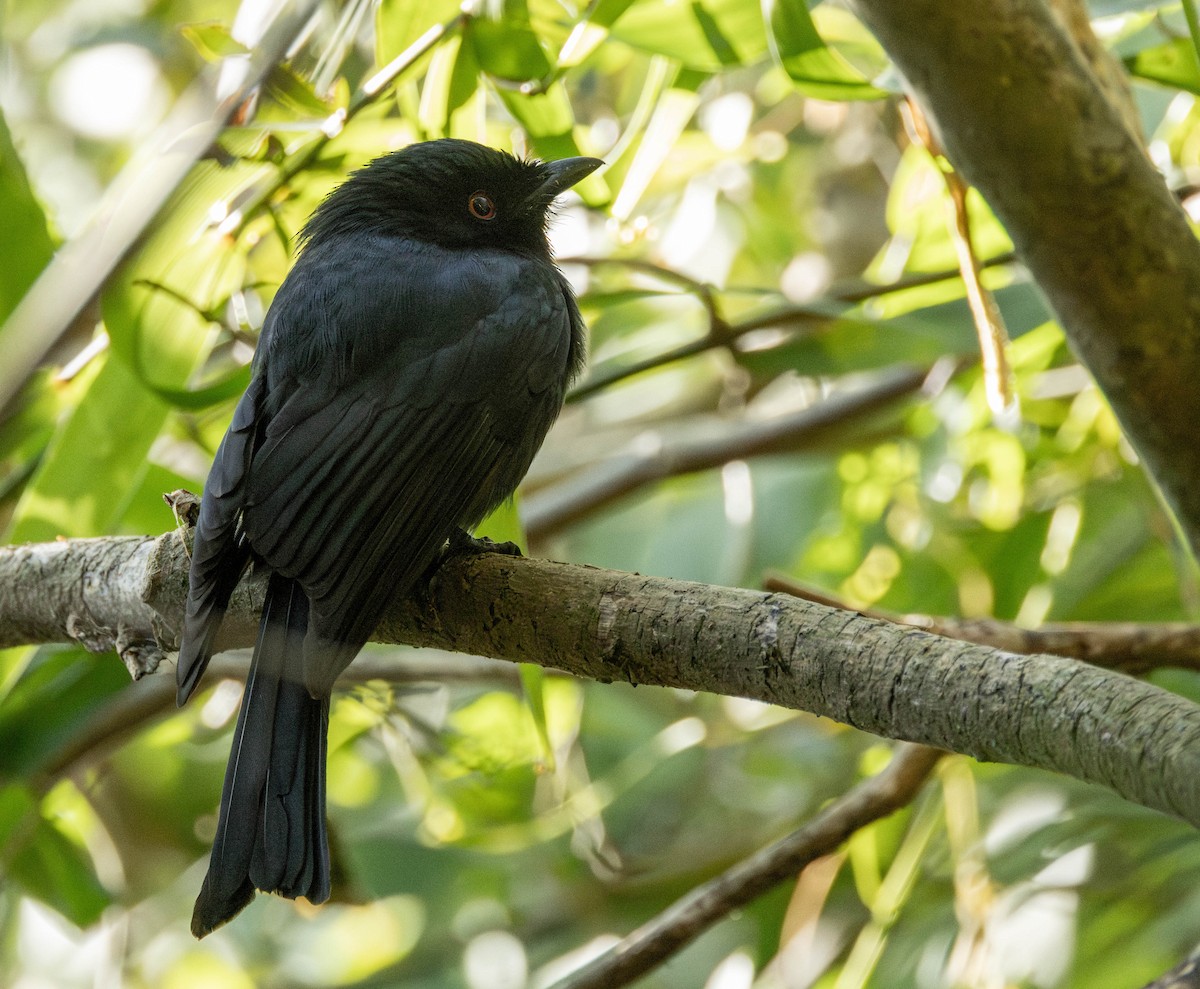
(271, 831)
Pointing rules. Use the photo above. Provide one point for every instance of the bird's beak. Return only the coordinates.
(562, 174)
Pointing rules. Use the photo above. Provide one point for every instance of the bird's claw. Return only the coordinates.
(461, 543)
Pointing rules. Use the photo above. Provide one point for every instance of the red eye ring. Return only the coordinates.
(481, 206)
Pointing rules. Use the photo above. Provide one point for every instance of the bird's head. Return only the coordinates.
(450, 192)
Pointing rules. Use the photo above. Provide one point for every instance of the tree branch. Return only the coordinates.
(1040, 711)
(691, 915)
(1090, 216)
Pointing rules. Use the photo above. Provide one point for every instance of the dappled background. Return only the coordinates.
(785, 383)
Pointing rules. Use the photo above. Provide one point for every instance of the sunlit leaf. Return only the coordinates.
(295, 93)
(157, 342)
(508, 51)
(817, 69)
(25, 240)
(451, 81)
(398, 23)
(213, 40)
(93, 461)
(1173, 63)
(701, 34)
(47, 864)
(550, 122)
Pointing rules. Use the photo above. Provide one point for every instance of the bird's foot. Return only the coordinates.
(462, 542)
(185, 506)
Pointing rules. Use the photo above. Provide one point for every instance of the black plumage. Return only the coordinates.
(408, 370)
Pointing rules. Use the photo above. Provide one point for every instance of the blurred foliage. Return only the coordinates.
(764, 223)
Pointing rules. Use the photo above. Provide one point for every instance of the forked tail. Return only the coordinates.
(271, 831)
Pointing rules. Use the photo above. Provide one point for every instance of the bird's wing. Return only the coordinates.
(359, 478)
(219, 553)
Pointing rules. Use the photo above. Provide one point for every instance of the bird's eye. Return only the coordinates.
(481, 206)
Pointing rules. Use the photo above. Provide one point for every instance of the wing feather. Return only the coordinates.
(357, 481)
(220, 553)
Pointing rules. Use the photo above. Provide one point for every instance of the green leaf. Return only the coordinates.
(213, 40)
(702, 34)
(142, 510)
(158, 340)
(30, 425)
(549, 121)
(295, 94)
(508, 51)
(157, 308)
(1119, 569)
(857, 343)
(95, 458)
(398, 23)
(815, 68)
(450, 83)
(17, 806)
(503, 525)
(547, 117)
(52, 868)
(46, 864)
(590, 32)
(533, 686)
(918, 216)
(56, 695)
(606, 12)
(25, 241)
(1172, 64)
(222, 389)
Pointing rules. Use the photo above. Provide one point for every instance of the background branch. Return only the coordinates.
(691, 915)
(153, 697)
(554, 507)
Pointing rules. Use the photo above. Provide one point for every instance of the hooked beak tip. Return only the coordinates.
(564, 173)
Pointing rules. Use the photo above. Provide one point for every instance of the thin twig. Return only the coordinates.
(817, 312)
(1185, 975)
(862, 291)
(1131, 647)
(694, 913)
(989, 323)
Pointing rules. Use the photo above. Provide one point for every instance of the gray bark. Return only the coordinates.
(1039, 710)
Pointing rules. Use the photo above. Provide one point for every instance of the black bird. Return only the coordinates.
(408, 370)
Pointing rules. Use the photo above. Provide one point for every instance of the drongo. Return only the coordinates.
(408, 370)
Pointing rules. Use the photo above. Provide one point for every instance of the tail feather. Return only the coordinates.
(293, 806)
(271, 831)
